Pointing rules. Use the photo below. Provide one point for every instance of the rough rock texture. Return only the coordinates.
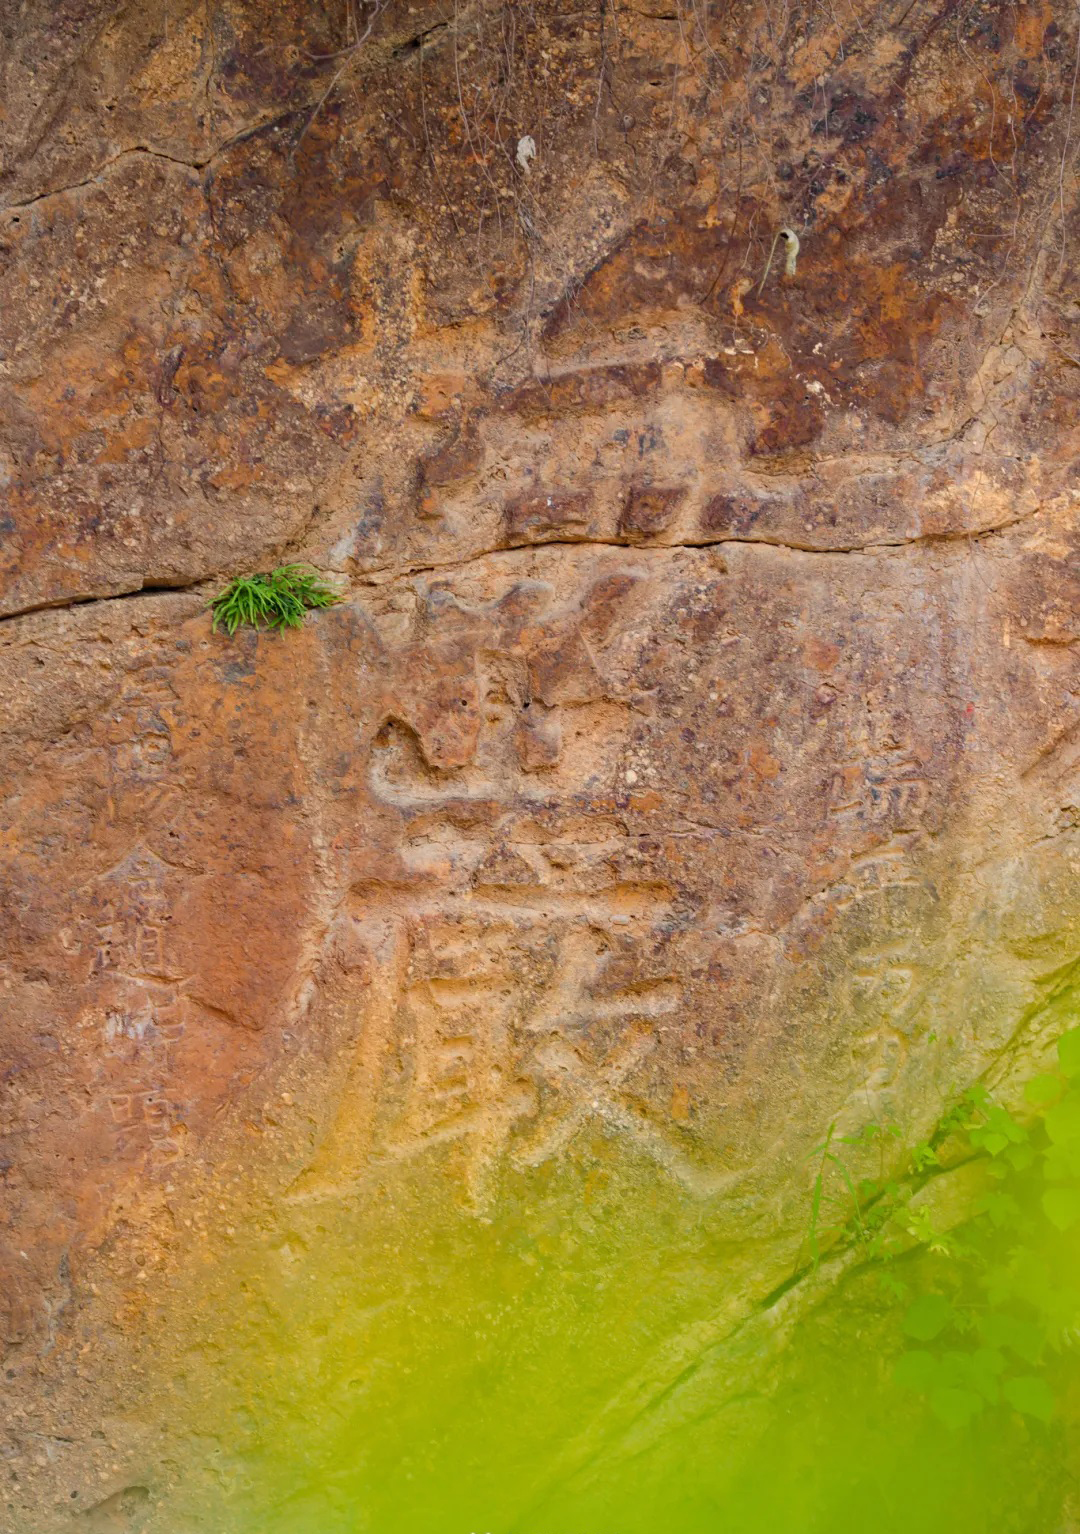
(693, 761)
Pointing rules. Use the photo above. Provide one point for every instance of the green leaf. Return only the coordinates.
(999, 1131)
(927, 1317)
(1044, 1089)
(1020, 1157)
(1063, 1121)
(955, 1407)
(1061, 1162)
(923, 1157)
(1030, 1394)
(986, 1364)
(1062, 1207)
(894, 1287)
(1068, 1049)
(976, 1371)
(1001, 1207)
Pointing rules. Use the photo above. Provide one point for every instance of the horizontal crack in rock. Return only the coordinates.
(154, 154)
(408, 571)
(921, 540)
(64, 604)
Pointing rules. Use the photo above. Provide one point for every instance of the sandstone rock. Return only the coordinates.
(691, 764)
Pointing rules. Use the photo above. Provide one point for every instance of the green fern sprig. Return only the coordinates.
(278, 599)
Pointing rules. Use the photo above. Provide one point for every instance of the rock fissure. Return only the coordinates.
(146, 588)
(922, 540)
(147, 151)
(294, 548)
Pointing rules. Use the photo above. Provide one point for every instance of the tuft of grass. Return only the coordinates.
(276, 600)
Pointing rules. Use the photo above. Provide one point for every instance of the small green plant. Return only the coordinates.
(277, 600)
(870, 1202)
(994, 1313)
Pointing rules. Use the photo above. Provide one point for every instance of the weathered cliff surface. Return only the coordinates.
(693, 761)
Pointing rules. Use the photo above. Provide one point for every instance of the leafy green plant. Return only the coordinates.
(988, 1318)
(832, 1166)
(277, 600)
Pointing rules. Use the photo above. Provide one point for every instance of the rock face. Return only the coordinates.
(692, 762)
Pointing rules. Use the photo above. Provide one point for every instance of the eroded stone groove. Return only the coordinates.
(691, 763)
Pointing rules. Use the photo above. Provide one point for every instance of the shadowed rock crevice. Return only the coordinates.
(142, 150)
(147, 588)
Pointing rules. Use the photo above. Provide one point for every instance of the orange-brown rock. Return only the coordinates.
(692, 762)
